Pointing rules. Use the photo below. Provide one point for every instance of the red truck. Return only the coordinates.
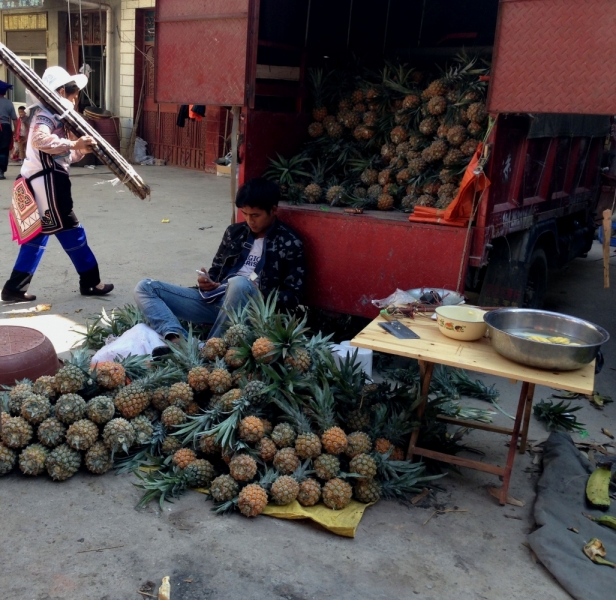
(551, 80)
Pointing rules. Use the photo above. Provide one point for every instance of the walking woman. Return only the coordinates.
(49, 153)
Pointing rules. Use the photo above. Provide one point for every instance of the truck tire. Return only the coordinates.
(537, 279)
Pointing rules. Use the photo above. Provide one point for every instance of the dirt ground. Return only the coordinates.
(84, 538)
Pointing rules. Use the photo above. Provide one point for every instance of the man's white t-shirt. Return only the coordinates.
(253, 258)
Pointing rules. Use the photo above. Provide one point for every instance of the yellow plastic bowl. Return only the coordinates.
(461, 322)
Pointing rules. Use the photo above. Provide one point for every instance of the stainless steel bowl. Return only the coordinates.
(507, 328)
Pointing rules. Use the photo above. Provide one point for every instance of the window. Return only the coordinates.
(37, 62)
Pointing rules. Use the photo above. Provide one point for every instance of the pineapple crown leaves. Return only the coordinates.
(294, 414)
(558, 416)
(443, 383)
(391, 424)
(348, 378)
(288, 334)
(289, 383)
(135, 365)
(100, 327)
(166, 375)
(161, 485)
(197, 426)
(260, 311)
(475, 389)
(303, 471)
(81, 359)
(185, 352)
(320, 82)
(322, 405)
(143, 460)
(224, 508)
(286, 171)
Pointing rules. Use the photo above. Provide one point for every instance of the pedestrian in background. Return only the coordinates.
(7, 119)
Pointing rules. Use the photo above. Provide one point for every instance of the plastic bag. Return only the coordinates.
(398, 298)
(139, 339)
(140, 153)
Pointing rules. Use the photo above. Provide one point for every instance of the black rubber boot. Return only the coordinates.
(15, 288)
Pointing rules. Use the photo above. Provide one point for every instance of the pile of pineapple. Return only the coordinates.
(394, 141)
(263, 414)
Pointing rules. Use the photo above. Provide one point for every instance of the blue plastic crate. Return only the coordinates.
(613, 240)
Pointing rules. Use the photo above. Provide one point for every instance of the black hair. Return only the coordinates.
(258, 193)
(21, 108)
(70, 88)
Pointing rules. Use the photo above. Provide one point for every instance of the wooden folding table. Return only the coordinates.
(433, 347)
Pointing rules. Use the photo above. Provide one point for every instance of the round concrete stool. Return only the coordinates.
(25, 354)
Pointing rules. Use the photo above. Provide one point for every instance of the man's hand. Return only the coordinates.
(205, 285)
(85, 144)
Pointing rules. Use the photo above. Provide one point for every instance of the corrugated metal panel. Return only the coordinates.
(201, 51)
(554, 56)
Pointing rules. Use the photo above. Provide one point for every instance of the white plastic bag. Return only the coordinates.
(139, 339)
(398, 298)
(141, 150)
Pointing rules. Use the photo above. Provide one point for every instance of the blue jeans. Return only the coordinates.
(163, 304)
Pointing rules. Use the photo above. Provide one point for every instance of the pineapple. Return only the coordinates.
(160, 398)
(388, 151)
(447, 176)
(243, 467)
(263, 350)
(432, 188)
(118, 435)
(397, 454)
(183, 457)
(417, 166)
(328, 120)
(469, 147)
(477, 112)
(286, 461)
(220, 378)
(403, 176)
(284, 490)
(69, 379)
(8, 458)
(309, 492)
(251, 429)
(45, 386)
(416, 141)
(403, 148)
(453, 157)
(382, 445)
(443, 131)
(110, 375)
(228, 399)
(437, 105)
(98, 458)
(63, 462)
(384, 176)
(435, 151)
(32, 459)
(315, 129)
(266, 449)
(457, 135)
(197, 379)
(235, 358)
(16, 432)
(370, 118)
(448, 190)
(428, 126)
(358, 419)
(81, 434)
(364, 465)
(214, 348)
(132, 400)
(335, 131)
(100, 409)
(173, 416)
(267, 427)
(351, 119)
(437, 88)
(408, 203)
(70, 408)
(51, 432)
(335, 194)
(209, 445)
(283, 435)
(170, 445)
(374, 191)
(17, 396)
(301, 361)
(237, 333)
(326, 466)
(411, 102)
(252, 500)
(200, 473)
(35, 408)
(357, 96)
(337, 494)
(475, 130)
(367, 490)
(224, 488)
(385, 202)
(180, 394)
(307, 443)
(144, 430)
(398, 135)
(358, 443)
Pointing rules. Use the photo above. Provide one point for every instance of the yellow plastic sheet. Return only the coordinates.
(341, 522)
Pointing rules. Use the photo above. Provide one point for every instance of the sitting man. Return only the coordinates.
(257, 256)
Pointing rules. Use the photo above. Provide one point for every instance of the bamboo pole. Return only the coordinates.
(76, 123)
(234, 130)
(607, 238)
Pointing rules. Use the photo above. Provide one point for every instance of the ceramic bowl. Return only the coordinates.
(461, 322)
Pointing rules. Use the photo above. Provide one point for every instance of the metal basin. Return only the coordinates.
(508, 328)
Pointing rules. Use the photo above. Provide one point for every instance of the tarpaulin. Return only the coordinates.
(458, 213)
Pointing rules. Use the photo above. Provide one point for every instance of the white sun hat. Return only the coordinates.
(56, 77)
